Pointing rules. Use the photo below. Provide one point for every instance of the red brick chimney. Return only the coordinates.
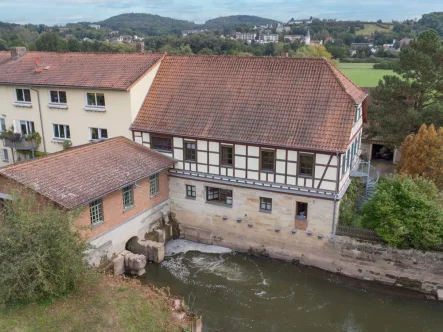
(17, 53)
(140, 47)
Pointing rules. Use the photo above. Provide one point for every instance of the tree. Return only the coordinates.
(422, 155)
(313, 51)
(405, 212)
(41, 252)
(48, 42)
(74, 45)
(403, 102)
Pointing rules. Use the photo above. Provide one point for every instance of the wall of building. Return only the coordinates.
(208, 222)
(247, 165)
(114, 212)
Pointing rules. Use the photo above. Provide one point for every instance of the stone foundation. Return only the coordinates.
(114, 241)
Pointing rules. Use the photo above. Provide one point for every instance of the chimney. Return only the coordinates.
(284, 54)
(17, 53)
(140, 47)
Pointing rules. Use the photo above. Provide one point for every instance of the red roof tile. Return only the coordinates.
(294, 102)
(81, 174)
(90, 70)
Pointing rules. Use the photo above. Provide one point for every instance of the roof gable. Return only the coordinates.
(81, 174)
(294, 102)
(117, 71)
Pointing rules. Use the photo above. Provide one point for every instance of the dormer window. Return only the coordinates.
(23, 95)
(95, 99)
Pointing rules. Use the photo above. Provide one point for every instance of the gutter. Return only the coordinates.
(41, 117)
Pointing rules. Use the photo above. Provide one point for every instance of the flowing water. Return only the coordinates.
(238, 292)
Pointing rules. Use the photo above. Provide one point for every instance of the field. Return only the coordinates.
(371, 28)
(102, 304)
(362, 74)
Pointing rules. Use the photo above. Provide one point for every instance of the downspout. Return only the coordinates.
(41, 118)
(335, 196)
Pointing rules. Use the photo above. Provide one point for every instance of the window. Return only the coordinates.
(267, 160)
(58, 97)
(27, 127)
(23, 95)
(153, 183)
(95, 99)
(190, 191)
(5, 155)
(128, 197)
(223, 196)
(343, 165)
(358, 113)
(98, 133)
(61, 131)
(190, 153)
(2, 125)
(302, 210)
(306, 167)
(265, 204)
(96, 212)
(227, 155)
(161, 143)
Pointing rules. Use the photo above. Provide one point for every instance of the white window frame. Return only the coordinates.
(96, 212)
(2, 125)
(22, 101)
(100, 137)
(5, 155)
(154, 185)
(95, 94)
(58, 96)
(64, 129)
(28, 127)
(128, 197)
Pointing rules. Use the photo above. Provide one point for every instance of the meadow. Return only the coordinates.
(370, 28)
(363, 74)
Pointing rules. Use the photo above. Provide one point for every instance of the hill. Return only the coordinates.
(146, 24)
(229, 22)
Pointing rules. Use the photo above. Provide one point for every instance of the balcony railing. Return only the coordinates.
(21, 144)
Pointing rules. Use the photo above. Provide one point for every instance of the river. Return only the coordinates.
(239, 292)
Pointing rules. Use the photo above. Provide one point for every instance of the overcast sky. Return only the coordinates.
(64, 11)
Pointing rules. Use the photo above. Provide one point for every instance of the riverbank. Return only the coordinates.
(103, 303)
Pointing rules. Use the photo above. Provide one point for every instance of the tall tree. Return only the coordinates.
(422, 155)
(403, 102)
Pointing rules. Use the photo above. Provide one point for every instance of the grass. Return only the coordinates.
(103, 303)
(363, 74)
(370, 28)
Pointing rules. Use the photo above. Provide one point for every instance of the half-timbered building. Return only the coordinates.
(263, 146)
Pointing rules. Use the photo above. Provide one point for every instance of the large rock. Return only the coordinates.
(135, 264)
(440, 294)
(119, 265)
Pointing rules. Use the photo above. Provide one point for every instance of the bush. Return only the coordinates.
(348, 206)
(361, 60)
(386, 64)
(405, 212)
(41, 253)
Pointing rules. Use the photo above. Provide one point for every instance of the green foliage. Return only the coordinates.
(405, 212)
(35, 136)
(386, 64)
(432, 21)
(230, 22)
(50, 42)
(67, 144)
(348, 205)
(41, 254)
(400, 103)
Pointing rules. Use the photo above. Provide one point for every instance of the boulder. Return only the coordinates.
(440, 294)
(119, 265)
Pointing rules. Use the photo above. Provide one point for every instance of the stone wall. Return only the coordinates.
(114, 240)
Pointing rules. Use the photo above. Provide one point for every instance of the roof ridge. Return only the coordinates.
(335, 72)
(277, 58)
(95, 53)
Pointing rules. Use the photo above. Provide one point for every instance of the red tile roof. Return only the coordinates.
(89, 70)
(295, 102)
(81, 174)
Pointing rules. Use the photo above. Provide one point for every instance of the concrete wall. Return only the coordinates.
(114, 240)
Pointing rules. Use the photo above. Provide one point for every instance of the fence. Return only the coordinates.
(359, 233)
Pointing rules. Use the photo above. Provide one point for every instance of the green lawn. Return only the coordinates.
(371, 28)
(102, 304)
(363, 74)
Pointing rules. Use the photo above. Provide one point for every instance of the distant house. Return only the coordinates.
(137, 38)
(94, 26)
(248, 37)
(292, 21)
(63, 30)
(316, 42)
(86, 39)
(306, 39)
(127, 39)
(268, 38)
(286, 28)
(329, 39)
(118, 39)
(191, 32)
(114, 33)
(358, 45)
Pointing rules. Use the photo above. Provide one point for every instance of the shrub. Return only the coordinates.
(386, 64)
(348, 206)
(405, 212)
(41, 253)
